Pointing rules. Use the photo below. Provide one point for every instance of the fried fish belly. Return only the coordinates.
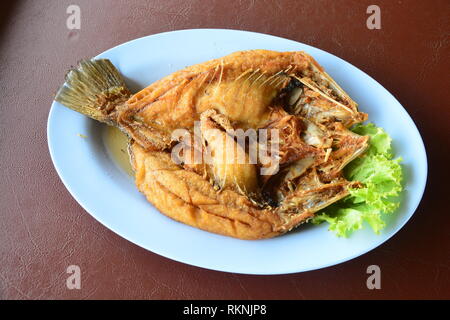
(250, 90)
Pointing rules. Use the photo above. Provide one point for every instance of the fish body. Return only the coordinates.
(287, 93)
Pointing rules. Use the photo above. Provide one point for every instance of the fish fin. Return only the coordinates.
(96, 89)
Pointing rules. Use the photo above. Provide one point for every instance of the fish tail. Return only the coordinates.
(96, 89)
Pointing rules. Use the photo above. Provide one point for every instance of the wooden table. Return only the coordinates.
(43, 230)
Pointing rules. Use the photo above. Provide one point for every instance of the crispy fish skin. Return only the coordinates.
(188, 198)
(240, 86)
(239, 91)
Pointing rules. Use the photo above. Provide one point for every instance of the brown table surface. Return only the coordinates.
(43, 230)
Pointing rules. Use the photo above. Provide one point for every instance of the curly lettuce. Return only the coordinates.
(381, 176)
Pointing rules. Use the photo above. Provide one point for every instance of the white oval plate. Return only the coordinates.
(109, 195)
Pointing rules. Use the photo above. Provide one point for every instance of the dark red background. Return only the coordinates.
(43, 229)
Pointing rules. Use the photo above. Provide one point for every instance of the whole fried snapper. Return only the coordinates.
(258, 89)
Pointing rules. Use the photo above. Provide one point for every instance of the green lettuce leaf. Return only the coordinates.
(381, 176)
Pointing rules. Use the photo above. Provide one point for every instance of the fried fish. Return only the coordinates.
(305, 113)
